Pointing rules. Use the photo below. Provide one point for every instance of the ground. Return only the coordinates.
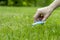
(16, 24)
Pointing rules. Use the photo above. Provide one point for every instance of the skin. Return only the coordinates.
(46, 11)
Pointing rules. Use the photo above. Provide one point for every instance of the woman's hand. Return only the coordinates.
(42, 14)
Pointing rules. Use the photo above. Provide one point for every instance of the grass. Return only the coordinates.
(15, 24)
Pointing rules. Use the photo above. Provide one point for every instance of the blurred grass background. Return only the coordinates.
(16, 24)
(16, 18)
(25, 3)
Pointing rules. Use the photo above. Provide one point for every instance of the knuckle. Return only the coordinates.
(38, 9)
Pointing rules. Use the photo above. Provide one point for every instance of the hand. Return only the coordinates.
(42, 14)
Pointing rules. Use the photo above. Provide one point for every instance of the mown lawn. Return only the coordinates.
(16, 24)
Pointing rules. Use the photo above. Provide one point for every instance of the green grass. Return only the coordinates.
(16, 24)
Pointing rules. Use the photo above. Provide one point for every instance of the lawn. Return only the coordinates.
(16, 24)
